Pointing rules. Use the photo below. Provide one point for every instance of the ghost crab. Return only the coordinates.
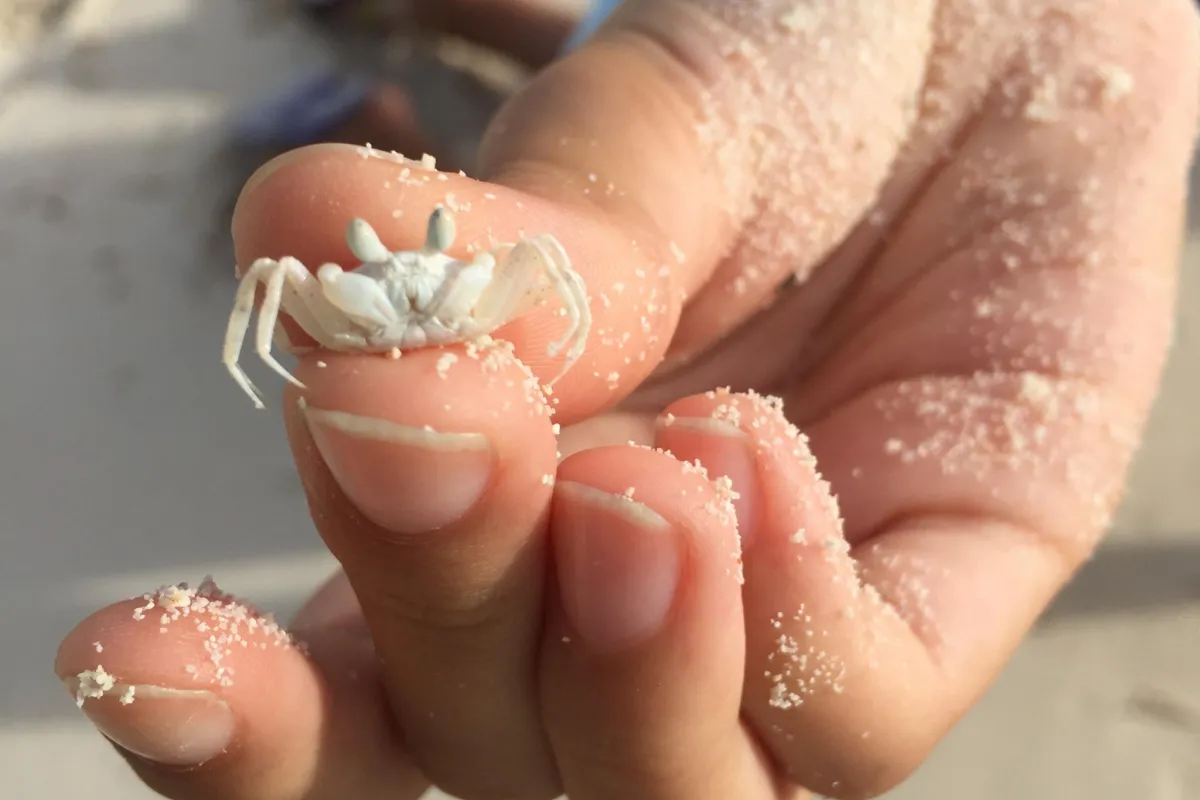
(406, 299)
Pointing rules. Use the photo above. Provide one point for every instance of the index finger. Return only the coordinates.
(429, 477)
(300, 204)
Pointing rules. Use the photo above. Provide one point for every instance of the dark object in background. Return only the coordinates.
(307, 113)
(415, 76)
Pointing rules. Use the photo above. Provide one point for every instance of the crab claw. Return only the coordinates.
(356, 296)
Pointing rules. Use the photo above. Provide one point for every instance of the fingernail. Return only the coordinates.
(260, 175)
(619, 564)
(724, 450)
(403, 478)
(177, 727)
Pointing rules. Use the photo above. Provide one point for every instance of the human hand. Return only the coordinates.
(981, 205)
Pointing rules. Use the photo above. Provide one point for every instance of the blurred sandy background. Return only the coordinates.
(129, 459)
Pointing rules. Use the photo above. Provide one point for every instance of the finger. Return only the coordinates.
(434, 500)
(300, 204)
(831, 669)
(642, 662)
(205, 698)
(454, 615)
(429, 476)
(752, 136)
(334, 605)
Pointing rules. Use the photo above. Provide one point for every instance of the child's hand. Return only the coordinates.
(981, 209)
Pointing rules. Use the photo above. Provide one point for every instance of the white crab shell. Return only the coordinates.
(406, 299)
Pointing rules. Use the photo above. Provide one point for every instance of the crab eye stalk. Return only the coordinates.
(441, 231)
(365, 243)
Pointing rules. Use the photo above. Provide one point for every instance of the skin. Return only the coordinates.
(980, 313)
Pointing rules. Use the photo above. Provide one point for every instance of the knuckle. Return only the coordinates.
(445, 600)
(464, 611)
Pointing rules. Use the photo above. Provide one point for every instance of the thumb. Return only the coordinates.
(744, 139)
(613, 128)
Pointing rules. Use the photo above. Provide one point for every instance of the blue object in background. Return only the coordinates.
(601, 10)
(306, 114)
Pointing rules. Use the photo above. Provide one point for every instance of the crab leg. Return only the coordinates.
(574, 294)
(268, 317)
(239, 323)
(288, 286)
(297, 293)
(303, 299)
(547, 255)
(520, 271)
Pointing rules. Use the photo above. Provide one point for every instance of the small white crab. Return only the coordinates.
(406, 299)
